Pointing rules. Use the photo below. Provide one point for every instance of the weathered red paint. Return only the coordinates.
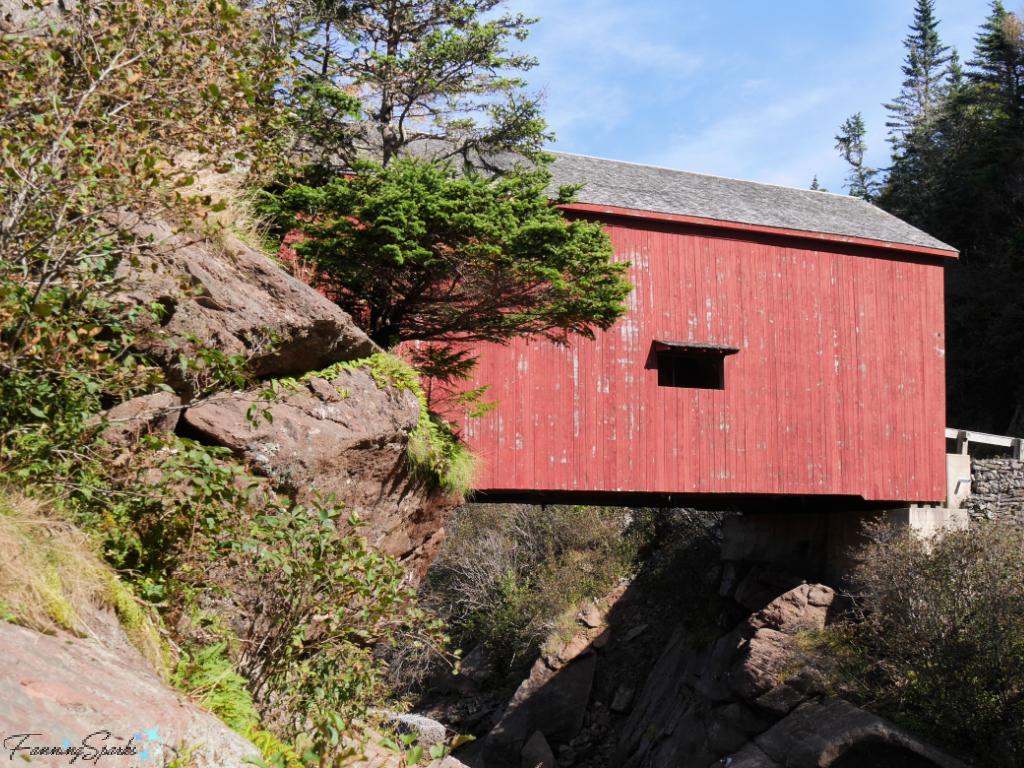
(838, 389)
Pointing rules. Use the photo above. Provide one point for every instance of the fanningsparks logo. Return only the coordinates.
(147, 745)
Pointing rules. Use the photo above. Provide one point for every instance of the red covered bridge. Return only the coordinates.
(783, 347)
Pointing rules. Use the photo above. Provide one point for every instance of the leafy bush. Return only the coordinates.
(318, 605)
(507, 573)
(939, 644)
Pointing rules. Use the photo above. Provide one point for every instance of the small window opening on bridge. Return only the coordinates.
(691, 372)
(692, 365)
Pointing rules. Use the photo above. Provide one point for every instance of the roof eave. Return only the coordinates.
(609, 210)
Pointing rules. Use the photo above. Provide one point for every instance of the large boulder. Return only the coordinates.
(733, 701)
(347, 437)
(553, 702)
(835, 733)
(231, 298)
(63, 692)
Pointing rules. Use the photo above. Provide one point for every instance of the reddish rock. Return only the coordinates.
(578, 646)
(592, 617)
(354, 448)
(150, 414)
(794, 610)
(233, 299)
(59, 688)
(761, 587)
(756, 671)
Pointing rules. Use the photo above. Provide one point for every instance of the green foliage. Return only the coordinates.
(926, 72)
(421, 252)
(109, 119)
(382, 79)
(956, 172)
(851, 145)
(938, 645)
(321, 601)
(208, 678)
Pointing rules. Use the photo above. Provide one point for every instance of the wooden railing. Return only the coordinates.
(963, 437)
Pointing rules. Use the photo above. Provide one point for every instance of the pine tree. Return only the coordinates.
(926, 74)
(383, 79)
(851, 145)
(815, 187)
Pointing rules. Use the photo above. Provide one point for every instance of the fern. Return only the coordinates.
(209, 679)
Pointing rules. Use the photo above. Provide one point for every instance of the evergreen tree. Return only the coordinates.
(387, 78)
(851, 145)
(926, 71)
(400, 103)
(421, 252)
(998, 64)
(814, 184)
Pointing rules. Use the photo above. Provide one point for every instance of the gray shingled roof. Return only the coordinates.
(662, 190)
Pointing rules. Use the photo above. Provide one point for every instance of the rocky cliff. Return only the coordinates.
(747, 700)
(345, 436)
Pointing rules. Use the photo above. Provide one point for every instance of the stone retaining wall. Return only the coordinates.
(997, 490)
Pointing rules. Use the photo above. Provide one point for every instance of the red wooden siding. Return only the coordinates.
(838, 388)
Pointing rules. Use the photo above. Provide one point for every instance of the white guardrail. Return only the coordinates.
(964, 437)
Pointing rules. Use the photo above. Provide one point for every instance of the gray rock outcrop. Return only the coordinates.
(738, 702)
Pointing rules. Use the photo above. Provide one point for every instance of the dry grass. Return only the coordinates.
(48, 571)
(52, 578)
(237, 222)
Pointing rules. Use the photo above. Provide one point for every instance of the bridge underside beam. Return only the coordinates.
(735, 502)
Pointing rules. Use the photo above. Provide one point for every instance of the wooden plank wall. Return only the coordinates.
(838, 387)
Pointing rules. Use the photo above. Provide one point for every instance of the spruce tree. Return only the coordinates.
(998, 64)
(851, 145)
(925, 72)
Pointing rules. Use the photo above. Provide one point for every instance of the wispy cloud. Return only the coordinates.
(749, 89)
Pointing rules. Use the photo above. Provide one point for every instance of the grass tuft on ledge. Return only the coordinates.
(52, 577)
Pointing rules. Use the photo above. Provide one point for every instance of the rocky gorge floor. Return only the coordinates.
(634, 687)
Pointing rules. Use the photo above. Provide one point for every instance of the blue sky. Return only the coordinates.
(748, 89)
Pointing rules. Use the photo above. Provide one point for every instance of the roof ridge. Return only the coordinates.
(709, 175)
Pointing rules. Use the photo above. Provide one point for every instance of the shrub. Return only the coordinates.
(507, 573)
(939, 644)
(318, 605)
